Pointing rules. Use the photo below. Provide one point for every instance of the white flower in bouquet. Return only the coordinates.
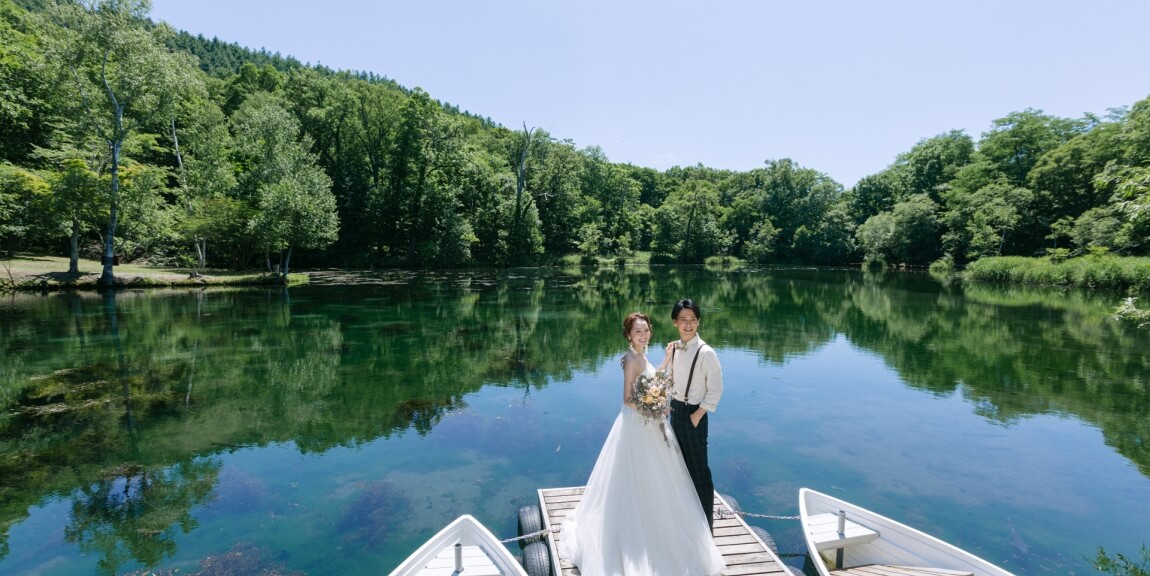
(652, 396)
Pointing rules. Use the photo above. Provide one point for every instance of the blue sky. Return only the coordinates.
(841, 87)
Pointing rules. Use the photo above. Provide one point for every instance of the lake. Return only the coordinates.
(330, 429)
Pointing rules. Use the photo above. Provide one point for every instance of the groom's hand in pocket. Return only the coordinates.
(697, 416)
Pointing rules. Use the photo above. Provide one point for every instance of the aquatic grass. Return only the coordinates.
(371, 514)
(1095, 272)
(242, 558)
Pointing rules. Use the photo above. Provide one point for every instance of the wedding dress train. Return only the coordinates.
(639, 514)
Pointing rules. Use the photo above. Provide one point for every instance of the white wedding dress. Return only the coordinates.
(639, 514)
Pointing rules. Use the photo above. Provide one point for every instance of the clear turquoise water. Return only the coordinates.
(331, 429)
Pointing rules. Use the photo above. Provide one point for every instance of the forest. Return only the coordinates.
(124, 139)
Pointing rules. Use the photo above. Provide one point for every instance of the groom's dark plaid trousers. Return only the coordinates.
(693, 444)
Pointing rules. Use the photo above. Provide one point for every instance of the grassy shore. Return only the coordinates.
(1093, 272)
(34, 272)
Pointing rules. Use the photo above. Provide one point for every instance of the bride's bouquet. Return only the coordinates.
(652, 396)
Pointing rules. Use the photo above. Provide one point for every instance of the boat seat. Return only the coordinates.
(823, 529)
(887, 570)
(476, 562)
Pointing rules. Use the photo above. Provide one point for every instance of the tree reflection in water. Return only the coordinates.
(135, 513)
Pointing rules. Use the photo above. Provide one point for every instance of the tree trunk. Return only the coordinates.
(286, 262)
(197, 242)
(74, 242)
(521, 178)
(108, 278)
(201, 251)
(684, 253)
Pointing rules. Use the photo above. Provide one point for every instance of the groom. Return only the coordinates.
(698, 382)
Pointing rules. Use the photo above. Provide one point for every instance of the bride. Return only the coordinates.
(639, 513)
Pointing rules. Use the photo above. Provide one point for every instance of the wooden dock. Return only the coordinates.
(744, 552)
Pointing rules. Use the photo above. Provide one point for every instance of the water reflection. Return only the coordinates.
(135, 512)
(123, 401)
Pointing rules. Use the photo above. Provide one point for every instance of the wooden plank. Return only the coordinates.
(743, 551)
(888, 570)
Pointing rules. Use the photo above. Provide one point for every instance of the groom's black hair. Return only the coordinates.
(685, 303)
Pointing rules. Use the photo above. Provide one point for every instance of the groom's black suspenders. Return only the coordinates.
(690, 375)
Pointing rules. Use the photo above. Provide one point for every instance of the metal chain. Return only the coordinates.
(531, 535)
(733, 513)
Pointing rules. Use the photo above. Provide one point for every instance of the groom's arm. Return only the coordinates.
(713, 377)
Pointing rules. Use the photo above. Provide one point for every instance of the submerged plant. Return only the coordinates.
(243, 559)
(369, 514)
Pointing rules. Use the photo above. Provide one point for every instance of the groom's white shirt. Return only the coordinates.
(707, 386)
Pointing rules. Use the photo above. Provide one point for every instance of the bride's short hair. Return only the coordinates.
(629, 322)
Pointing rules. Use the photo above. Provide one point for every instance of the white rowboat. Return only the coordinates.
(862, 543)
(463, 547)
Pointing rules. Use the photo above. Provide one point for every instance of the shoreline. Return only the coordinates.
(27, 273)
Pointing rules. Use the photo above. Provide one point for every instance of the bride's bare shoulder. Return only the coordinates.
(631, 360)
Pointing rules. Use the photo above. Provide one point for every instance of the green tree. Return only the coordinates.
(204, 171)
(760, 246)
(611, 204)
(994, 212)
(1064, 179)
(1131, 201)
(876, 238)
(291, 195)
(148, 225)
(22, 196)
(873, 195)
(362, 160)
(794, 197)
(1097, 228)
(828, 240)
(688, 224)
(251, 79)
(27, 100)
(932, 163)
(73, 200)
(960, 202)
(524, 241)
(423, 199)
(123, 76)
(1015, 143)
(918, 230)
(557, 195)
(1129, 178)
